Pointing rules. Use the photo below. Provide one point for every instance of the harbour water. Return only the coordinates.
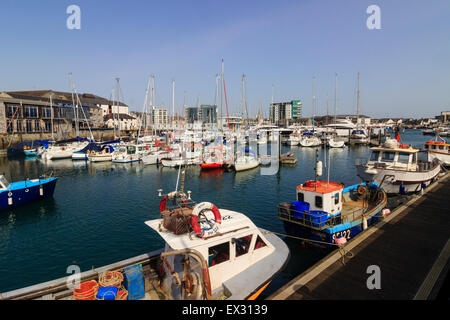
(97, 214)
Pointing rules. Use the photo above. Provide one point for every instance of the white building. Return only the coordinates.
(127, 122)
(108, 109)
(160, 116)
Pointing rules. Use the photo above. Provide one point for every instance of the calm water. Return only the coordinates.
(97, 214)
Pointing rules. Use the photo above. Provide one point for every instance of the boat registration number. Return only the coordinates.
(343, 233)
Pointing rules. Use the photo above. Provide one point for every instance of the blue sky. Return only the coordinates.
(404, 67)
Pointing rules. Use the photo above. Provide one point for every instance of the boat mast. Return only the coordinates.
(314, 99)
(143, 111)
(112, 113)
(51, 113)
(75, 109)
(357, 105)
(118, 105)
(243, 100)
(173, 105)
(221, 101)
(335, 101)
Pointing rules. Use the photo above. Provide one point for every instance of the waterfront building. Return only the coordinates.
(160, 117)
(205, 113)
(127, 122)
(282, 111)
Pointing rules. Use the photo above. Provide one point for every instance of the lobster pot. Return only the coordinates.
(134, 282)
(176, 222)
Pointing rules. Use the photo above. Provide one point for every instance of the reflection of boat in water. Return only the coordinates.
(217, 172)
(21, 192)
(61, 163)
(209, 254)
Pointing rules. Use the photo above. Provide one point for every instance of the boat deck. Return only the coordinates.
(411, 247)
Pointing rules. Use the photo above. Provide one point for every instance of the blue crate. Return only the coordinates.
(134, 282)
(107, 293)
(299, 208)
(318, 218)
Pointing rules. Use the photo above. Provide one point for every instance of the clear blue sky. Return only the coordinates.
(405, 66)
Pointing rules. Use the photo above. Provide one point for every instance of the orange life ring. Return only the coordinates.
(312, 183)
(198, 209)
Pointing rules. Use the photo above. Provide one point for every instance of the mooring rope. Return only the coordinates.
(344, 252)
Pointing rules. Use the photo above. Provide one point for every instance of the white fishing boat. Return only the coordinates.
(209, 254)
(395, 167)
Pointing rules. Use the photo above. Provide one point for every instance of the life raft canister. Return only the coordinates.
(312, 183)
(162, 204)
(198, 209)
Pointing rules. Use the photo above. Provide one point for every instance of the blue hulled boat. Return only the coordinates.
(17, 193)
(326, 211)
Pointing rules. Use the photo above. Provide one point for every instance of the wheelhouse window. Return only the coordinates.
(243, 245)
(319, 202)
(336, 198)
(259, 243)
(388, 156)
(131, 149)
(218, 254)
(403, 157)
(300, 196)
(374, 156)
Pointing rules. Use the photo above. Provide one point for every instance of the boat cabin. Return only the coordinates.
(228, 249)
(437, 146)
(402, 157)
(318, 195)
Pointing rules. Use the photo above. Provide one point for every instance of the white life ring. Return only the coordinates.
(198, 210)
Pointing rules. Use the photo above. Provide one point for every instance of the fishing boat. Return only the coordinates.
(325, 211)
(20, 192)
(209, 254)
(395, 167)
(439, 150)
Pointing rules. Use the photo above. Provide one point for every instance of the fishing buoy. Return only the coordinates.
(319, 168)
(385, 211)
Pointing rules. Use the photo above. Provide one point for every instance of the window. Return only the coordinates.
(219, 254)
(12, 111)
(19, 126)
(29, 127)
(441, 147)
(318, 202)
(414, 158)
(336, 198)
(46, 112)
(11, 127)
(243, 245)
(259, 243)
(403, 157)
(300, 197)
(48, 126)
(374, 155)
(387, 156)
(31, 112)
(37, 126)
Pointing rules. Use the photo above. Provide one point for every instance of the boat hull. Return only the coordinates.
(30, 192)
(398, 181)
(326, 237)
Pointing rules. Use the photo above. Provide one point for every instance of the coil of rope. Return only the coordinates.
(110, 279)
